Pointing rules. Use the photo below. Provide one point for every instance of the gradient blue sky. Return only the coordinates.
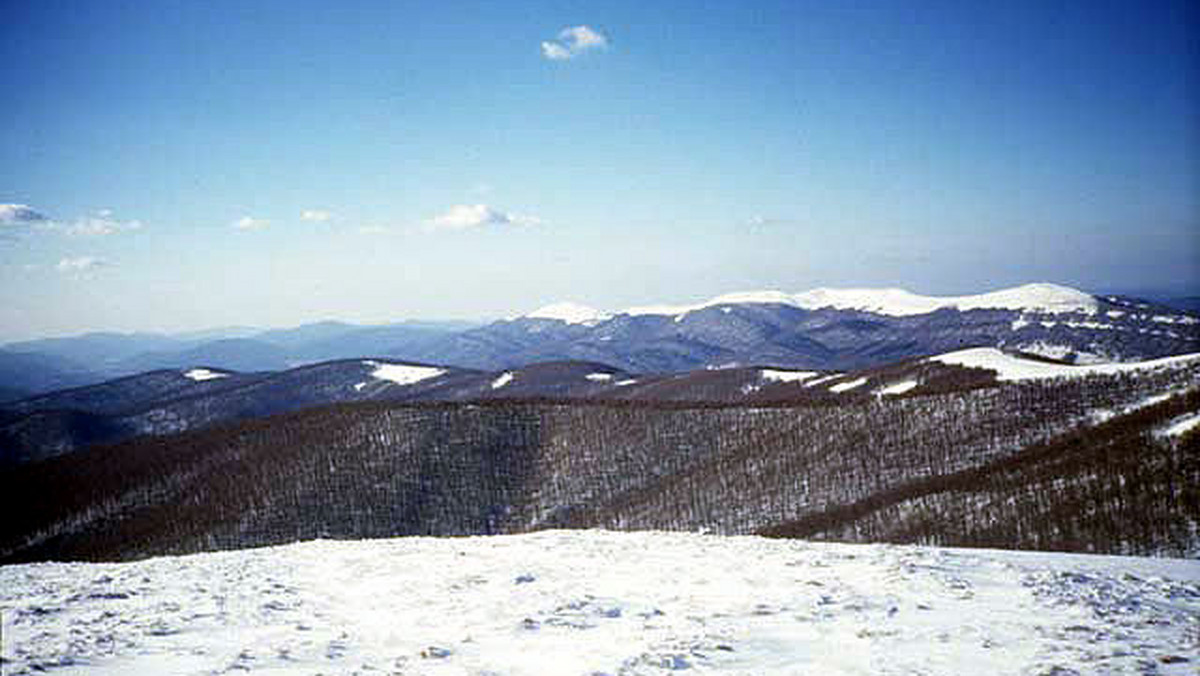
(943, 147)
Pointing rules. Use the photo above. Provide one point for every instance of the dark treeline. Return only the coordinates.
(1022, 465)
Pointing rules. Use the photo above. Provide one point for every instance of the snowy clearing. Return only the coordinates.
(589, 602)
(1181, 426)
(898, 388)
(504, 379)
(200, 375)
(1011, 368)
(823, 379)
(403, 374)
(848, 385)
(787, 376)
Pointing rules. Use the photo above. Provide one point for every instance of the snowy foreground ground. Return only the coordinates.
(589, 602)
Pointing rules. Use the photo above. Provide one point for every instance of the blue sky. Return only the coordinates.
(399, 160)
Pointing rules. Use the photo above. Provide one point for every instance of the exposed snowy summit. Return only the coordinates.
(571, 313)
(1038, 297)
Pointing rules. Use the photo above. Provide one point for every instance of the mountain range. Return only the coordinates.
(818, 329)
(1038, 417)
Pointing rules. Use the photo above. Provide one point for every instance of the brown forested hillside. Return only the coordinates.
(1022, 465)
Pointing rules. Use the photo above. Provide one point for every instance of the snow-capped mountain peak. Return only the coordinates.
(571, 313)
(1037, 297)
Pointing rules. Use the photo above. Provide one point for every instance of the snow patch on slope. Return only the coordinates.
(504, 379)
(200, 375)
(898, 388)
(599, 377)
(848, 385)
(403, 374)
(1011, 368)
(787, 376)
(1181, 426)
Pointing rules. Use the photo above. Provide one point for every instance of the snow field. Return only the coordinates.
(596, 602)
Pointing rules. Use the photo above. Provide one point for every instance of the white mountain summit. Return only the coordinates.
(1039, 297)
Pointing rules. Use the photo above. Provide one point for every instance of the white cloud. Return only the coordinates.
(573, 41)
(555, 51)
(471, 216)
(80, 264)
(250, 223)
(316, 215)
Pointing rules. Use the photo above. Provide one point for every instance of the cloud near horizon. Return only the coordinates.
(101, 224)
(473, 216)
(250, 223)
(316, 215)
(573, 41)
(80, 264)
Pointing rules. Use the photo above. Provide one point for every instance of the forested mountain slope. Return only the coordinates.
(928, 468)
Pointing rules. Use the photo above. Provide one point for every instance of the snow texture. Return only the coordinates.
(1011, 368)
(504, 379)
(592, 602)
(403, 374)
(200, 375)
(787, 376)
(599, 377)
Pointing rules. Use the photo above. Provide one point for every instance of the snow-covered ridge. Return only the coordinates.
(1013, 368)
(1042, 298)
(571, 313)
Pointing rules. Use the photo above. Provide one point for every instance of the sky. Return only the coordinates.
(183, 165)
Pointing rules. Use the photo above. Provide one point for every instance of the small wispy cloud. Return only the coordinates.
(573, 41)
(473, 216)
(250, 223)
(316, 215)
(100, 225)
(80, 264)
